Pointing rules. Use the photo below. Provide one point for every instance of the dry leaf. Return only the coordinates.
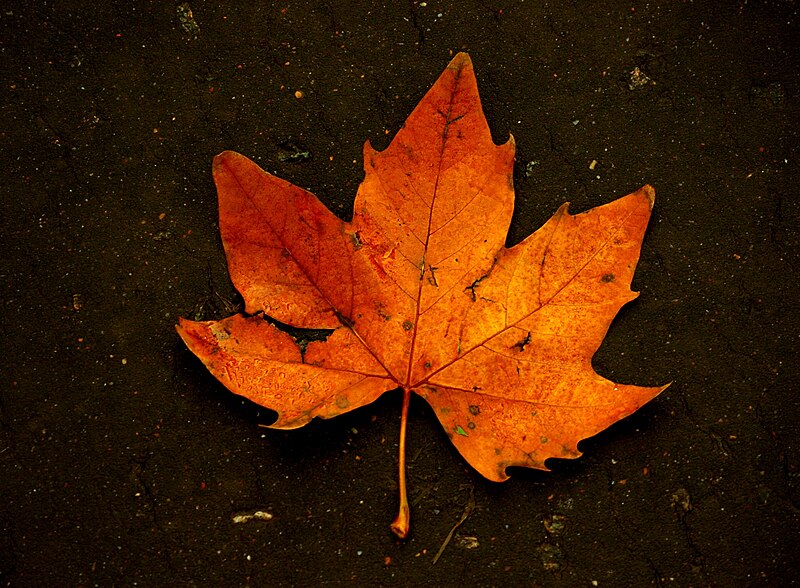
(421, 294)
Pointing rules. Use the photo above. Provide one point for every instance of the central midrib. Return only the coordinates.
(445, 132)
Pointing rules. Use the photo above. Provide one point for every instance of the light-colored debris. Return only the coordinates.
(259, 515)
(637, 79)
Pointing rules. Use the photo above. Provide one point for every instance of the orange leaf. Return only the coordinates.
(422, 294)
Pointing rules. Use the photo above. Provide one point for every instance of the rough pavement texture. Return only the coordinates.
(122, 461)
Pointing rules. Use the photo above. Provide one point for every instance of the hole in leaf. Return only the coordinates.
(301, 336)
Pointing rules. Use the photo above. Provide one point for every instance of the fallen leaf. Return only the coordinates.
(421, 294)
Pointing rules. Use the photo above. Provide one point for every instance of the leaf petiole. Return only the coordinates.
(402, 521)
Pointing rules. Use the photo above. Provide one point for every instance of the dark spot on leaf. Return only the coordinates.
(543, 439)
(472, 289)
(345, 320)
(356, 237)
(432, 277)
(382, 313)
(470, 425)
(608, 278)
(522, 342)
(408, 325)
(476, 283)
(301, 336)
(474, 409)
(427, 365)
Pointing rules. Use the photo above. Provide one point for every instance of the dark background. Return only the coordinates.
(122, 461)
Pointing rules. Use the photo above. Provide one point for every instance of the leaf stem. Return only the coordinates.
(402, 521)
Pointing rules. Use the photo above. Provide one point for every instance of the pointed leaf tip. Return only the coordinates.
(460, 60)
(648, 191)
(225, 158)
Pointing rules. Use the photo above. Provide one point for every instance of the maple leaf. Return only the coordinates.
(421, 294)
